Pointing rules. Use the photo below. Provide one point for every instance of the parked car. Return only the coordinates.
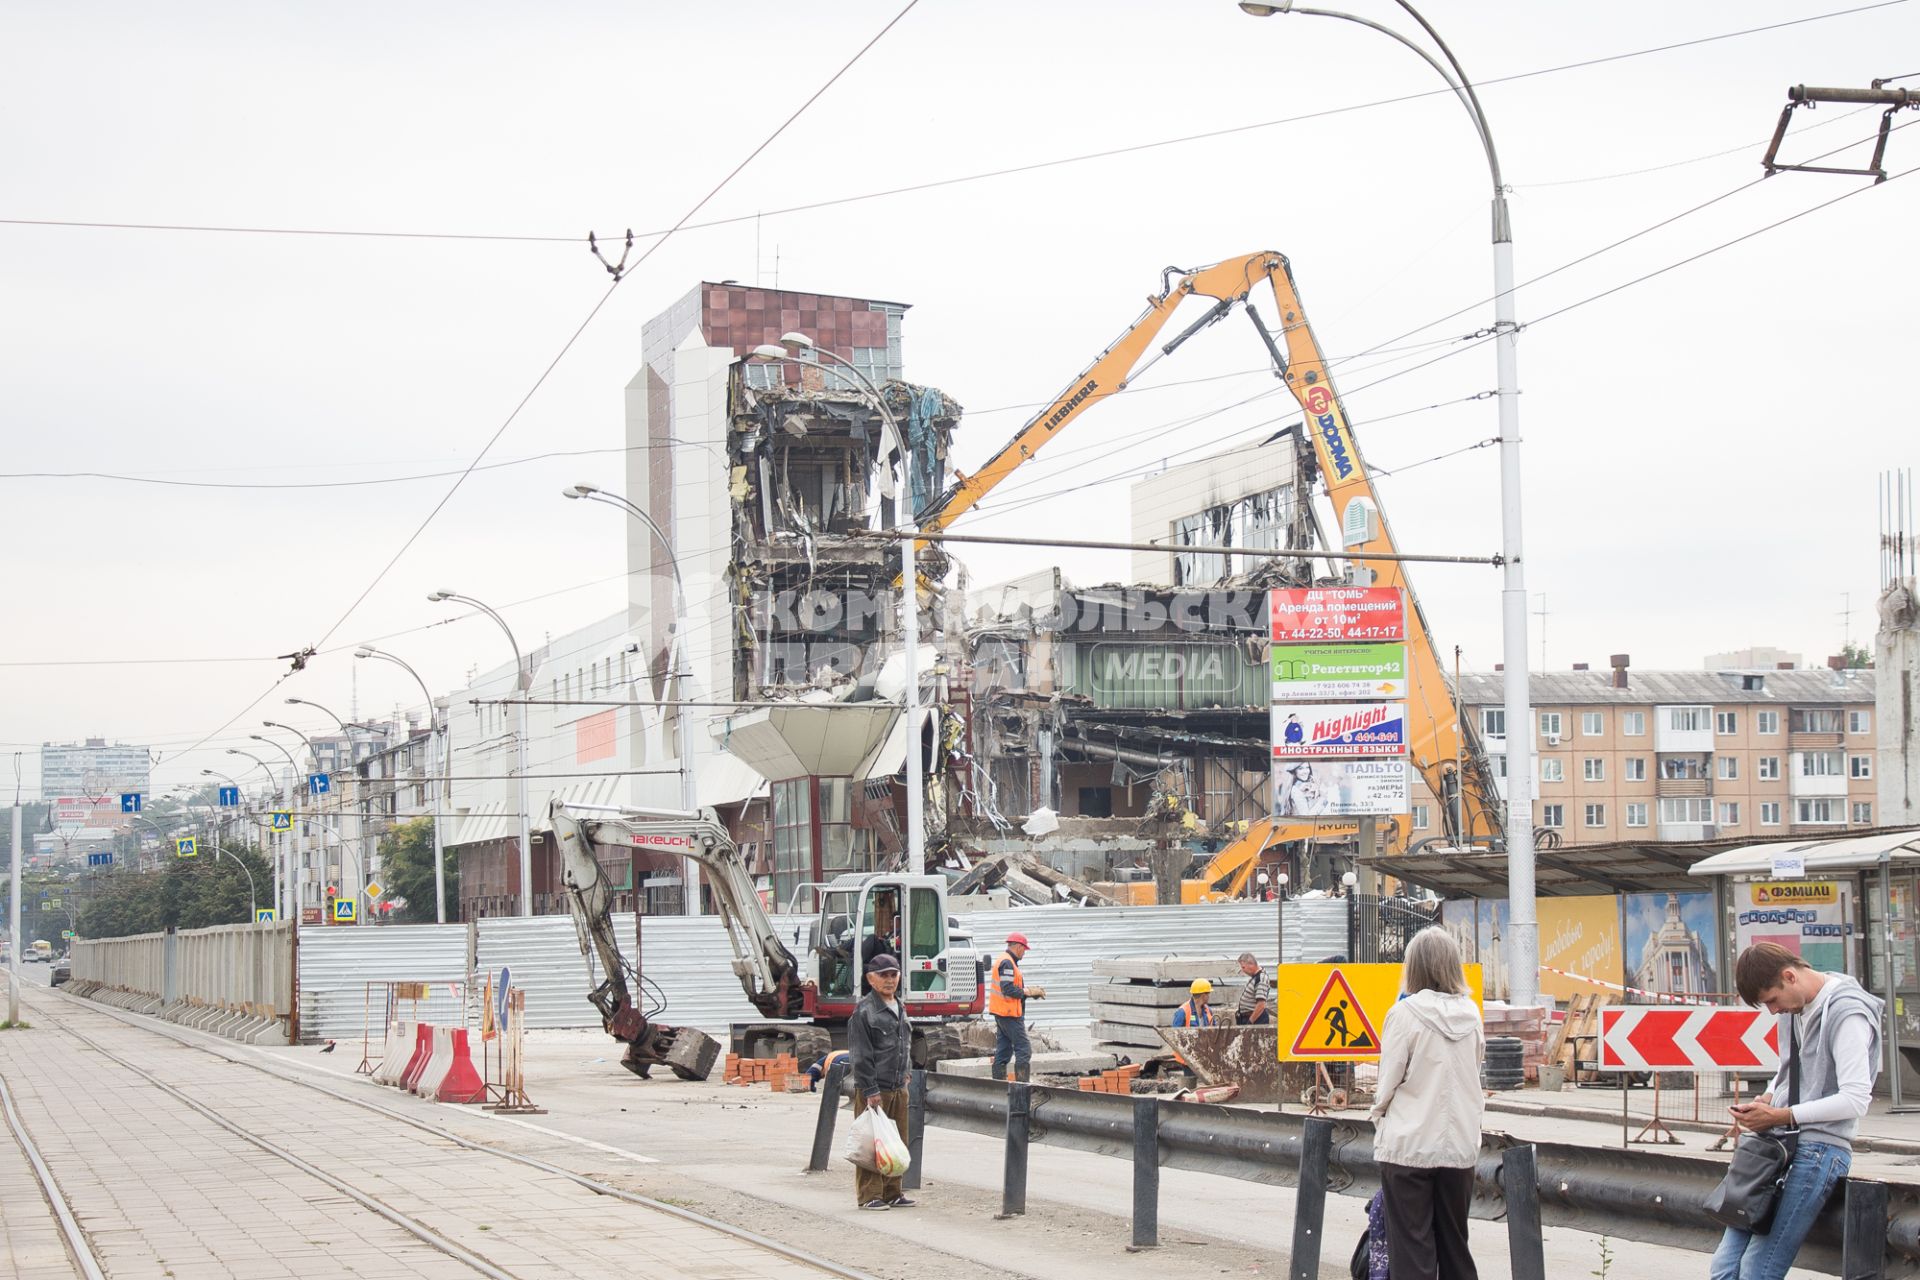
(62, 971)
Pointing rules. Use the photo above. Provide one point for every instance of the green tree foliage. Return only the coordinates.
(188, 893)
(1856, 656)
(406, 861)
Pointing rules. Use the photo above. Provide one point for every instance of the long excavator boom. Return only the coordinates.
(767, 970)
(1438, 735)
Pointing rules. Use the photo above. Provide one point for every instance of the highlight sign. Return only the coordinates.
(1320, 730)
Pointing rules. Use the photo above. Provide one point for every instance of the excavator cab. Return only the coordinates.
(904, 916)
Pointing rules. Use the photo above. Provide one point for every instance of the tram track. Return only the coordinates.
(412, 1225)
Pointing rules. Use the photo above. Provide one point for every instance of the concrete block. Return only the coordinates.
(1047, 1063)
(1134, 1037)
(1174, 968)
(1144, 995)
(1140, 1015)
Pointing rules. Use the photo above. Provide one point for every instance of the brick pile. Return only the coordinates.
(1119, 1080)
(777, 1073)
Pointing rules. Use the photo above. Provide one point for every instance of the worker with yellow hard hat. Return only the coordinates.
(1196, 1012)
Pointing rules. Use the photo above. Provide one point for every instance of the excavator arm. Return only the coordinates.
(768, 973)
(1438, 734)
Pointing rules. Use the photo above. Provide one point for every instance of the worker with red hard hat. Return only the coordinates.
(1007, 996)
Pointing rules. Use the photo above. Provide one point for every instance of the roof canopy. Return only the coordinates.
(1846, 853)
(1644, 866)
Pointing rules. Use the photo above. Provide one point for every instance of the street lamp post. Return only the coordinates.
(296, 839)
(436, 753)
(278, 896)
(524, 683)
(214, 773)
(682, 662)
(358, 797)
(1523, 928)
(791, 344)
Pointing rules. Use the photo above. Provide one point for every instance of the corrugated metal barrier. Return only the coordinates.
(688, 962)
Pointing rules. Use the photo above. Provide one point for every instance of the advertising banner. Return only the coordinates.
(1301, 615)
(1339, 671)
(1340, 788)
(1811, 917)
(1319, 730)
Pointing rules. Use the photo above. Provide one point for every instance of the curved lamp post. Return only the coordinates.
(1523, 927)
(524, 683)
(791, 345)
(681, 661)
(436, 753)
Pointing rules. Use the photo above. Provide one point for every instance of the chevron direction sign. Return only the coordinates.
(1657, 1039)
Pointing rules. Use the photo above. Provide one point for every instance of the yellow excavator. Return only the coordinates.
(1442, 744)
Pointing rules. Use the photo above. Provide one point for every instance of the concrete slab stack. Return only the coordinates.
(1141, 993)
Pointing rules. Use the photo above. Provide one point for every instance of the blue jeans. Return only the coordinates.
(1742, 1255)
(1010, 1044)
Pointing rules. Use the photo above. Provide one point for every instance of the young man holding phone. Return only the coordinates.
(1832, 1025)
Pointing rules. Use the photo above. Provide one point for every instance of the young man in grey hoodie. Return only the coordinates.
(1833, 1025)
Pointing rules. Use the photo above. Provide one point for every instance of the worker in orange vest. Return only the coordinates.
(1196, 1012)
(1007, 996)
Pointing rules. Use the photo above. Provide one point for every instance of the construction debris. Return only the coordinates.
(1029, 881)
(1056, 1064)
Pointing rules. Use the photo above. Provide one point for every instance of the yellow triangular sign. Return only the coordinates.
(1338, 1027)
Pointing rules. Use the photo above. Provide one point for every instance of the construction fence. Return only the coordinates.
(237, 978)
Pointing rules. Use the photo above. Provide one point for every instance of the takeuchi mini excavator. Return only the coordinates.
(807, 997)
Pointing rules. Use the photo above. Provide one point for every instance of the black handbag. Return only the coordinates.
(1748, 1195)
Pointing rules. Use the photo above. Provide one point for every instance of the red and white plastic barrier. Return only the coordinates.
(417, 1061)
(460, 1082)
(399, 1048)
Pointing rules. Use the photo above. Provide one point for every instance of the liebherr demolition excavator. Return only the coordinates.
(1442, 744)
(807, 998)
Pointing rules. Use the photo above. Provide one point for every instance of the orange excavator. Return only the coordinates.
(1442, 744)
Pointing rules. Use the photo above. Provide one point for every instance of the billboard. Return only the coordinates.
(1301, 615)
(1340, 788)
(1339, 671)
(1313, 730)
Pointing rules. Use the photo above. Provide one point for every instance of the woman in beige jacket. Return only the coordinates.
(1427, 1113)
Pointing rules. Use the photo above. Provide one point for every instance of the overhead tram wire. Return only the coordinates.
(567, 346)
(984, 175)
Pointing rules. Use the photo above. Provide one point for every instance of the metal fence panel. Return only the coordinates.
(336, 964)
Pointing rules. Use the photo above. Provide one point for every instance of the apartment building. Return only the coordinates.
(1685, 755)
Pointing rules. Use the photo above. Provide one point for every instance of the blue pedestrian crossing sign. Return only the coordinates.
(283, 820)
(100, 859)
(186, 847)
(319, 783)
(265, 915)
(229, 797)
(130, 801)
(344, 911)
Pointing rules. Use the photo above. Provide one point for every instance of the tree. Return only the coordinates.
(406, 860)
(188, 893)
(1856, 656)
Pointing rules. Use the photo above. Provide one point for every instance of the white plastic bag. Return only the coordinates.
(890, 1154)
(860, 1148)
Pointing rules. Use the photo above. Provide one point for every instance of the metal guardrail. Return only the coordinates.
(247, 970)
(1629, 1195)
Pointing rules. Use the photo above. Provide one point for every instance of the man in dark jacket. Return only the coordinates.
(881, 1042)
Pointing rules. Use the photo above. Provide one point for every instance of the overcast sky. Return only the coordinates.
(1701, 449)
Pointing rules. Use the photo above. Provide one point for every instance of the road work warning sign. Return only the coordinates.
(1335, 1012)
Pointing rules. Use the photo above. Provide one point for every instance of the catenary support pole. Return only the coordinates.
(1310, 1201)
(1013, 1192)
(13, 923)
(1146, 1174)
(1520, 1180)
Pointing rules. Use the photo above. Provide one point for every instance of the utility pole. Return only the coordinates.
(13, 912)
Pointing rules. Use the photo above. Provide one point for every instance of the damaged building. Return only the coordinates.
(768, 476)
(1137, 715)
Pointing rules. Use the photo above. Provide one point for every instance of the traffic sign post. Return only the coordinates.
(373, 889)
(319, 783)
(100, 859)
(1703, 1038)
(130, 801)
(229, 797)
(265, 915)
(345, 911)
(282, 820)
(186, 847)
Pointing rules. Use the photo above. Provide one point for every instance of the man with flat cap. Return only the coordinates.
(881, 1042)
